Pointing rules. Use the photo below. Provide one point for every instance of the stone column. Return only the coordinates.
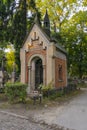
(33, 76)
(44, 74)
(29, 79)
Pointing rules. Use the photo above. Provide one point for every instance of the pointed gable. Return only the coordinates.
(36, 33)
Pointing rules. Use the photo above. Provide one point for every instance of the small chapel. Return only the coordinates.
(43, 60)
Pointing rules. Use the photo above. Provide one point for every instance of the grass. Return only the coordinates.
(2, 97)
(62, 99)
(82, 85)
(46, 102)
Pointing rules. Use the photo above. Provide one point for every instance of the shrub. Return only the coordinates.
(16, 91)
(50, 91)
(55, 93)
(46, 89)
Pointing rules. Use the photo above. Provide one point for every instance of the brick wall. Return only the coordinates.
(58, 82)
(58, 61)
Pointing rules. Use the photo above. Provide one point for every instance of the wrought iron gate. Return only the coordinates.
(38, 73)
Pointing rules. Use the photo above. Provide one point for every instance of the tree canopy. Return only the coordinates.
(68, 25)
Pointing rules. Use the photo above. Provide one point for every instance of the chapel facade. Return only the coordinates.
(43, 60)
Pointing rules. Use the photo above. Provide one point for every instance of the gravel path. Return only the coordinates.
(72, 115)
(10, 121)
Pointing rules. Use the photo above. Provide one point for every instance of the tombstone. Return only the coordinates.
(1, 78)
(13, 78)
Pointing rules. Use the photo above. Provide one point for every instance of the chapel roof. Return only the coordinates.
(51, 39)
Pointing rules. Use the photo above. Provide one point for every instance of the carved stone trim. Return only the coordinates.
(36, 39)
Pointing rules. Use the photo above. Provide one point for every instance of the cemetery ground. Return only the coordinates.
(63, 113)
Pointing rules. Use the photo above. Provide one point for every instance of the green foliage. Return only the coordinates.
(6, 13)
(2, 53)
(10, 59)
(45, 89)
(59, 10)
(82, 85)
(16, 91)
(52, 93)
(56, 95)
(14, 22)
(71, 28)
(20, 24)
(48, 87)
(74, 38)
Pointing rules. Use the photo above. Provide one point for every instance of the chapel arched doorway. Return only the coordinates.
(38, 72)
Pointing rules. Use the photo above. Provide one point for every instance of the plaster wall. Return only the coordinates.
(23, 65)
(50, 64)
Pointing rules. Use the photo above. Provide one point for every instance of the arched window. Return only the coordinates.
(60, 72)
